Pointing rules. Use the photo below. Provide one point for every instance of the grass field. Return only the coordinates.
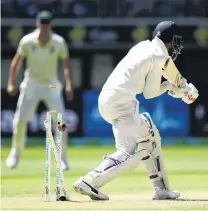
(23, 188)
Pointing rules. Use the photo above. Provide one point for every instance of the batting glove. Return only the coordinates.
(189, 93)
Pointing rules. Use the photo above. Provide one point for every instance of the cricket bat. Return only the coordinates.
(173, 74)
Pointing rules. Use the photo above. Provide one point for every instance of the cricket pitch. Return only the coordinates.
(23, 188)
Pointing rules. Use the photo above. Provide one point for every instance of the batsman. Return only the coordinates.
(139, 72)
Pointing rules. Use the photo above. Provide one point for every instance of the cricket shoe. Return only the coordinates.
(64, 164)
(85, 188)
(162, 194)
(13, 159)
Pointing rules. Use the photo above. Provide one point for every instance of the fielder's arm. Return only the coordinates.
(14, 69)
(66, 67)
(67, 72)
(16, 64)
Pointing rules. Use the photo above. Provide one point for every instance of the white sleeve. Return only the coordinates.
(63, 50)
(164, 87)
(153, 79)
(22, 48)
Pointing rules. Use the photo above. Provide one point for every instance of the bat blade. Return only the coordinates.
(173, 74)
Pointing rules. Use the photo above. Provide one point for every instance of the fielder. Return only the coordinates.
(139, 72)
(42, 50)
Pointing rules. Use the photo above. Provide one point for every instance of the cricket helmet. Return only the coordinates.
(169, 31)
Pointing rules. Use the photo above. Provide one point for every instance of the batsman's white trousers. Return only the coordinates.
(127, 124)
(31, 93)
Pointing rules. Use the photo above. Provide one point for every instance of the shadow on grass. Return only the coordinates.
(75, 201)
(191, 200)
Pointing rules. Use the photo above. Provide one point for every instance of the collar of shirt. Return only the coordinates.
(158, 42)
(37, 31)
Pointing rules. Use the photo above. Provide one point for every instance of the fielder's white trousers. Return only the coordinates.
(31, 93)
(126, 122)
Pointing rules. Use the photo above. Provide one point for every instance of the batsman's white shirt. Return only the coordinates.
(140, 71)
(42, 70)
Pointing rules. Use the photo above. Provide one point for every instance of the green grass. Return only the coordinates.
(23, 188)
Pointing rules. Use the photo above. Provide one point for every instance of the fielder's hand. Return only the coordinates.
(69, 93)
(189, 93)
(11, 90)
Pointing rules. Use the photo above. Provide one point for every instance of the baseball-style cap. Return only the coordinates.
(44, 17)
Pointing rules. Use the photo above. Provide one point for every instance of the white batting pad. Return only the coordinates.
(114, 169)
(153, 152)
